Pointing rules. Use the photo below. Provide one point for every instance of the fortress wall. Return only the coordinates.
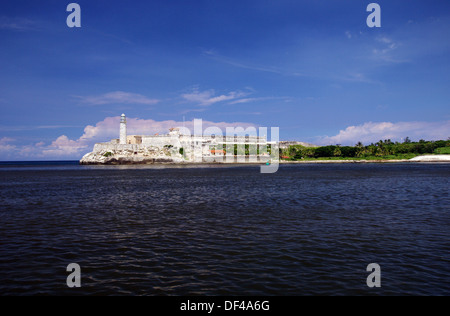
(109, 147)
(161, 141)
(224, 139)
(235, 139)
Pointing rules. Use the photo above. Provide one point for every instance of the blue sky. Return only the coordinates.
(313, 68)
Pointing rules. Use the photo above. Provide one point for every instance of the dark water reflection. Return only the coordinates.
(308, 229)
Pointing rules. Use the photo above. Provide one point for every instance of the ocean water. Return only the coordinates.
(305, 230)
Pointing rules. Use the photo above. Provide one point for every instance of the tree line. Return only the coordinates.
(383, 148)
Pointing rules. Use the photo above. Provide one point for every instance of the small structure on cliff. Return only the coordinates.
(176, 147)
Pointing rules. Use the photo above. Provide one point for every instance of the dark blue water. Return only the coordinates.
(308, 229)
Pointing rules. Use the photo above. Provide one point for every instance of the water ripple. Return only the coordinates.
(226, 231)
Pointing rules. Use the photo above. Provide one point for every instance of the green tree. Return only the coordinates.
(337, 152)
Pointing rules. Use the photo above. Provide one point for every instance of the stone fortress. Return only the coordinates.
(179, 147)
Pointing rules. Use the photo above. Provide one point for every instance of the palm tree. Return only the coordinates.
(337, 151)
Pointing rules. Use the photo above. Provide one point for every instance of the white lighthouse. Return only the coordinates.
(123, 130)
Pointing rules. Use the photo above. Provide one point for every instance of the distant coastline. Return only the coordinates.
(425, 158)
(419, 159)
(382, 151)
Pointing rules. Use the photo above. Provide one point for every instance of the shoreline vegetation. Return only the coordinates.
(382, 151)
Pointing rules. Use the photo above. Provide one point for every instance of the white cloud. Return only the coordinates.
(118, 97)
(372, 132)
(6, 140)
(6, 149)
(63, 146)
(5, 143)
(207, 98)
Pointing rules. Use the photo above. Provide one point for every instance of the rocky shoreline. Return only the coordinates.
(172, 161)
(131, 155)
(127, 161)
(113, 154)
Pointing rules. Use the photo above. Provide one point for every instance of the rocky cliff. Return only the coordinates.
(110, 154)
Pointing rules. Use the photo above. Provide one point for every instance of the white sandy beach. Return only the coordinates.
(431, 158)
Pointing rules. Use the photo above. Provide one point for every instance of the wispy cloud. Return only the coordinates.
(186, 111)
(31, 128)
(209, 97)
(117, 97)
(355, 77)
(111, 36)
(314, 67)
(16, 23)
(222, 59)
(203, 99)
(374, 131)
(250, 100)
(385, 49)
(6, 140)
